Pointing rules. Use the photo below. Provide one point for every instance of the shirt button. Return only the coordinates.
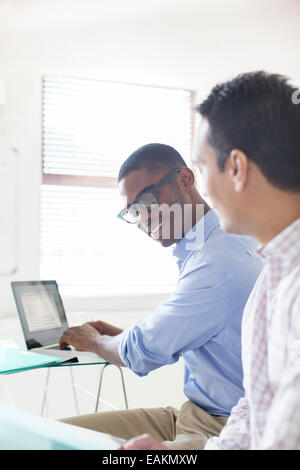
(192, 377)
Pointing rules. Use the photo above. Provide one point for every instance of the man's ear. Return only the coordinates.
(237, 167)
(186, 179)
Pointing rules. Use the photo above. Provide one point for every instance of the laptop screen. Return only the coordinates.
(41, 312)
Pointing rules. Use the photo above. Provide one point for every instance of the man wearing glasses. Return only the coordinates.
(201, 321)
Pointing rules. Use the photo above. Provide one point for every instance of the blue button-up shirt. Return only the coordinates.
(202, 318)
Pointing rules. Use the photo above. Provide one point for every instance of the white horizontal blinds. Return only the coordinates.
(90, 251)
(89, 129)
(90, 126)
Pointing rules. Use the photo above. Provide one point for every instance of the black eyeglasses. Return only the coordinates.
(144, 200)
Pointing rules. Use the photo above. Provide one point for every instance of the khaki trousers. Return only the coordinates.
(187, 428)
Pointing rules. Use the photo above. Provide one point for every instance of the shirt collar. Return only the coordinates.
(204, 227)
(285, 245)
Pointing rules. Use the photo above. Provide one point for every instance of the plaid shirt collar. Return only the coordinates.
(285, 245)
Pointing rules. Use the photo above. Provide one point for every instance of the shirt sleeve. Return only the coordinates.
(236, 433)
(196, 312)
(282, 430)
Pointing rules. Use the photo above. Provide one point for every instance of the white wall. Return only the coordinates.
(183, 43)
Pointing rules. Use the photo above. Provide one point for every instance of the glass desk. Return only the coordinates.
(20, 430)
(28, 364)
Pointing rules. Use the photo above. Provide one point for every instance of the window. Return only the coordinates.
(89, 128)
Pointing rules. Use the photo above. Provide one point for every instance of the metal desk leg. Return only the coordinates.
(100, 385)
(45, 396)
(74, 390)
(6, 392)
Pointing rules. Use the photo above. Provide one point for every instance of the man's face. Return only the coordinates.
(159, 227)
(217, 184)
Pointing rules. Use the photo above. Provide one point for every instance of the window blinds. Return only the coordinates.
(89, 128)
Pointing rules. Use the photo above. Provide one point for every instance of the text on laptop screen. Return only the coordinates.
(40, 310)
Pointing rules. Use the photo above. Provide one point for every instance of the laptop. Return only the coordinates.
(43, 321)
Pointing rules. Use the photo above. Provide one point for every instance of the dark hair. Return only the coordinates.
(153, 157)
(255, 113)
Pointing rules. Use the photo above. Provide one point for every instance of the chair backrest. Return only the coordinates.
(23, 431)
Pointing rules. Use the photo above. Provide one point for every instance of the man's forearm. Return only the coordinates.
(108, 348)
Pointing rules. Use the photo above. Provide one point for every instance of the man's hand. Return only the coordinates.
(143, 442)
(83, 338)
(105, 328)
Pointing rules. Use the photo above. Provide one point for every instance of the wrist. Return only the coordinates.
(108, 348)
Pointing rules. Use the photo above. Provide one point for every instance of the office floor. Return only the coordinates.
(162, 387)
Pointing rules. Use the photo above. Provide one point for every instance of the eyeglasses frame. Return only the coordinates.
(150, 189)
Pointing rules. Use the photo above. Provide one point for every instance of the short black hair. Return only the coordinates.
(255, 113)
(153, 157)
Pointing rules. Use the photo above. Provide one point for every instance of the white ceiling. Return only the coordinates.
(169, 42)
(203, 13)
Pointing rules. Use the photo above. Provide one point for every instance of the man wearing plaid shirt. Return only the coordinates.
(247, 148)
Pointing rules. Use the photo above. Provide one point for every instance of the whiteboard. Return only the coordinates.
(8, 210)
